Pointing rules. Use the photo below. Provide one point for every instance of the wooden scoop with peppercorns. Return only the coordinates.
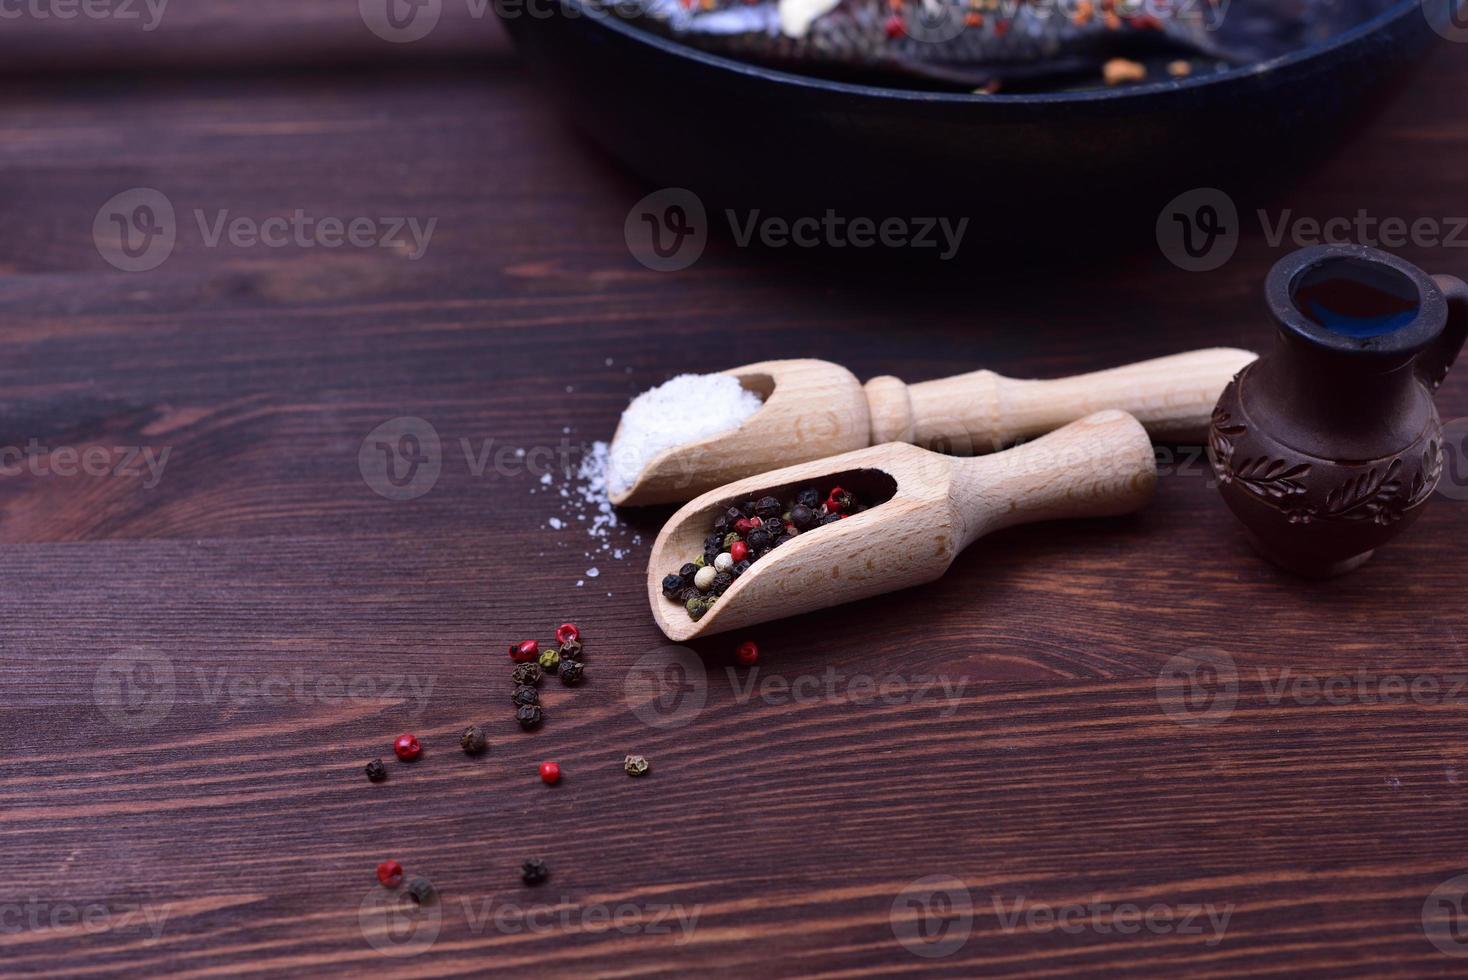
(813, 409)
(920, 509)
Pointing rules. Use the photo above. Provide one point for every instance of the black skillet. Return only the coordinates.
(1080, 168)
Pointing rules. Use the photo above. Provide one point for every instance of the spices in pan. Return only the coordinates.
(376, 771)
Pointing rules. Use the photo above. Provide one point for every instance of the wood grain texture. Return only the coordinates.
(790, 820)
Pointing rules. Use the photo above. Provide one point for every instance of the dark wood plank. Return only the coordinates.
(1051, 774)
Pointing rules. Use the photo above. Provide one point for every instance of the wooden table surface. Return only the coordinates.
(975, 778)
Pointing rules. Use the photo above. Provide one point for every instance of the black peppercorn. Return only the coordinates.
(571, 671)
(692, 592)
(758, 540)
(829, 519)
(747, 508)
(672, 584)
(721, 525)
(733, 514)
(529, 716)
(722, 581)
(688, 571)
(525, 694)
(714, 541)
(534, 871)
(571, 649)
(774, 527)
(421, 891)
(802, 516)
(809, 498)
(768, 507)
(527, 673)
(740, 567)
(376, 771)
(473, 741)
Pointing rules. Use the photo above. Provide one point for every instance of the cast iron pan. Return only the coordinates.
(1083, 168)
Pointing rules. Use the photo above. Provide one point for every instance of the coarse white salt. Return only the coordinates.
(684, 409)
(593, 572)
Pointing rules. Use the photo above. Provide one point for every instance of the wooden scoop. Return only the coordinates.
(938, 505)
(813, 409)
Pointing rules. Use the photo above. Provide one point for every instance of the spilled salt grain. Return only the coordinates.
(593, 572)
(685, 409)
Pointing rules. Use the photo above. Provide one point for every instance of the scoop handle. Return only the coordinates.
(1100, 466)
(982, 412)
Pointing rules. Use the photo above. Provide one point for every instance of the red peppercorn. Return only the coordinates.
(550, 773)
(525, 651)
(738, 551)
(407, 748)
(833, 505)
(894, 26)
(567, 632)
(390, 873)
(744, 525)
(748, 653)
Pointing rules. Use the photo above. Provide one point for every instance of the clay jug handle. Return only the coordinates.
(1433, 363)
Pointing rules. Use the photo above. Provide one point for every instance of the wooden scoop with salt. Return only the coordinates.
(813, 409)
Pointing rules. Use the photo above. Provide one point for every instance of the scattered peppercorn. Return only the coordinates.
(527, 674)
(525, 651)
(571, 672)
(534, 871)
(525, 694)
(550, 660)
(635, 765)
(747, 653)
(473, 741)
(529, 716)
(376, 771)
(550, 773)
(421, 891)
(571, 650)
(407, 748)
(390, 873)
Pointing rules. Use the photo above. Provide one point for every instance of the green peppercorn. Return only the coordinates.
(527, 674)
(525, 694)
(529, 716)
(696, 608)
(635, 765)
(534, 871)
(550, 660)
(729, 540)
(421, 891)
(376, 771)
(473, 741)
(699, 562)
(571, 671)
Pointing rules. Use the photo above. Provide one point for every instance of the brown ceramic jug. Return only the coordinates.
(1330, 445)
